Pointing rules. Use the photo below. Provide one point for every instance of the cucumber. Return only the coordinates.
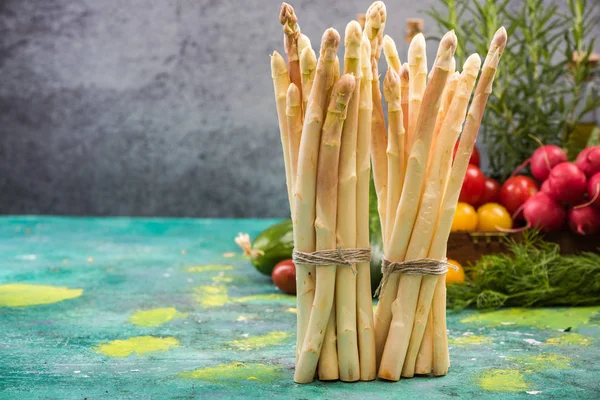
(276, 244)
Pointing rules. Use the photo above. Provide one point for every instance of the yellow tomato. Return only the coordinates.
(493, 217)
(455, 276)
(465, 218)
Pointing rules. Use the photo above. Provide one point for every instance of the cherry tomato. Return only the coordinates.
(492, 216)
(515, 192)
(475, 158)
(491, 194)
(473, 186)
(453, 276)
(465, 218)
(284, 276)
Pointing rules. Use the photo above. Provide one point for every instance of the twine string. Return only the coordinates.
(421, 266)
(321, 258)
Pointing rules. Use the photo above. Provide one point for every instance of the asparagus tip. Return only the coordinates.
(287, 16)
(308, 59)
(500, 38)
(331, 39)
(278, 65)
(303, 42)
(449, 41)
(416, 47)
(353, 34)
(365, 59)
(404, 73)
(376, 14)
(342, 91)
(472, 64)
(293, 95)
(389, 46)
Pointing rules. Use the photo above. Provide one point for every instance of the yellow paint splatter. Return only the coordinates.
(230, 254)
(503, 380)
(541, 362)
(292, 310)
(139, 345)
(236, 371)
(570, 339)
(212, 296)
(210, 268)
(23, 295)
(470, 340)
(242, 318)
(220, 278)
(546, 318)
(265, 298)
(257, 342)
(155, 317)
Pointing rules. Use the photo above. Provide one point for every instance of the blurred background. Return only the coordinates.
(154, 107)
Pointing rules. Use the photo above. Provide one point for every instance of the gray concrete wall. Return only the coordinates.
(150, 107)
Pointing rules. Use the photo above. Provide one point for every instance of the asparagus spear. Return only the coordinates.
(395, 149)
(325, 225)
(291, 34)
(281, 82)
(345, 294)
(417, 64)
(366, 338)
(374, 26)
(308, 65)
(391, 54)
(404, 84)
(305, 189)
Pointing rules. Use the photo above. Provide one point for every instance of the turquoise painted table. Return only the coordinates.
(168, 308)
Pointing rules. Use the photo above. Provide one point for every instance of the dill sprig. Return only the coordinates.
(532, 273)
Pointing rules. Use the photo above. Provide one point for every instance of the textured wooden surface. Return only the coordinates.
(157, 308)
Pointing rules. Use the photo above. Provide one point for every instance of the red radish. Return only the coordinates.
(594, 190)
(473, 186)
(544, 159)
(544, 213)
(584, 220)
(567, 183)
(589, 160)
(475, 158)
(515, 192)
(545, 187)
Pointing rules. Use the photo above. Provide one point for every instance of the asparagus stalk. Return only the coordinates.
(391, 54)
(345, 294)
(308, 66)
(336, 70)
(417, 64)
(395, 149)
(281, 82)
(396, 342)
(293, 112)
(291, 34)
(305, 189)
(459, 168)
(374, 26)
(325, 226)
(404, 84)
(424, 229)
(366, 338)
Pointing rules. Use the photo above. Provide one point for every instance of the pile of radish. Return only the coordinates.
(570, 192)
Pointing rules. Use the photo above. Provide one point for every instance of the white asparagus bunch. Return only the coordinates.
(332, 129)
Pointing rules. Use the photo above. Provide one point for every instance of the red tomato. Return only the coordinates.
(475, 159)
(491, 194)
(473, 186)
(515, 192)
(284, 276)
